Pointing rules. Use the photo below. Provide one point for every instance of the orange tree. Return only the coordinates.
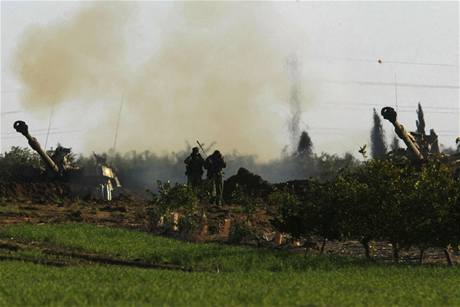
(316, 214)
(433, 209)
(289, 217)
(385, 200)
(323, 211)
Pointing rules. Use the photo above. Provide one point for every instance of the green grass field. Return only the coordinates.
(234, 275)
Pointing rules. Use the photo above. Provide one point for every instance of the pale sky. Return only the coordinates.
(338, 45)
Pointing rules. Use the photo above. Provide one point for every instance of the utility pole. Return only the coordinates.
(115, 137)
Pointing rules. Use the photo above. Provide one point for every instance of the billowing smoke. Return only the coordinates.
(76, 59)
(217, 74)
(295, 105)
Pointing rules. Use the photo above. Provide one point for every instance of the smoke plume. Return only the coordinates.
(217, 73)
(78, 58)
(294, 101)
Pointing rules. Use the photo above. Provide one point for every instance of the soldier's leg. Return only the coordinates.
(198, 180)
(192, 181)
(212, 181)
(219, 188)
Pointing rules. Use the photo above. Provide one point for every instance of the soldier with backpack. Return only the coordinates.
(214, 164)
(194, 168)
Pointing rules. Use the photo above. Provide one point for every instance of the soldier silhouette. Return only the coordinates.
(214, 165)
(194, 168)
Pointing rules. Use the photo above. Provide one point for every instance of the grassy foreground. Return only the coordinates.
(246, 276)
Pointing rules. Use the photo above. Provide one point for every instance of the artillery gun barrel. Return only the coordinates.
(22, 128)
(390, 114)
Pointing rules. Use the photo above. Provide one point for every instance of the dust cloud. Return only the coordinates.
(77, 58)
(218, 73)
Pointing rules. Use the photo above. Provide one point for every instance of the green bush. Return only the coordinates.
(189, 223)
(405, 204)
(247, 202)
(239, 231)
(19, 164)
(433, 213)
(317, 215)
(169, 199)
(289, 217)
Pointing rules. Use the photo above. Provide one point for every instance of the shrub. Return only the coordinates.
(239, 231)
(189, 223)
(20, 164)
(432, 215)
(385, 200)
(289, 216)
(172, 198)
(247, 202)
(317, 215)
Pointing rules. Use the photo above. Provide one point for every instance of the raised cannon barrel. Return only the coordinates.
(390, 114)
(22, 128)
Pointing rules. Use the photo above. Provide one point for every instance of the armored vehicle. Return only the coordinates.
(421, 146)
(98, 182)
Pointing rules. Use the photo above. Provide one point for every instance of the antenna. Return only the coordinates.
(49, 125)
(396, 93)
(115, 137)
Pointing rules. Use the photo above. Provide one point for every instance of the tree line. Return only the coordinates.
(380, 200)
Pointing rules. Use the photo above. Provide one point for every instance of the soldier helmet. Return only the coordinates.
(195, 150)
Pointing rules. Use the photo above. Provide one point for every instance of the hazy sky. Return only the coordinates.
(337, 43)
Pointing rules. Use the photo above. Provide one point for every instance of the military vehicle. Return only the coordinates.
(420, 146)
(98, 182)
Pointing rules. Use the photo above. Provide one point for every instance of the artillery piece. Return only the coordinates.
(98, 182)
(420, 146)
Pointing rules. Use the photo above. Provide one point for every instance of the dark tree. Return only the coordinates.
(378, 146)
(420, 122)
(305, 146)
(395, 143)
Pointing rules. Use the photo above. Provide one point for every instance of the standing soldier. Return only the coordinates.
(194, 168)
(214, 164)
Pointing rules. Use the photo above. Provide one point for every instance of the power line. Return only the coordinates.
(34, 131)
(367, 104)
(420, 63)
(41, 134)
(11, 112)
(382, 61)
(11, 91)
(374, 83)
(405, 109)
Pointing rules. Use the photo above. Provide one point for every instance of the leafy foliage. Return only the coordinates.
(246, 201)
(407, 205)
(290, 216)
(239, 231)
(19, 164)
(173, 198)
